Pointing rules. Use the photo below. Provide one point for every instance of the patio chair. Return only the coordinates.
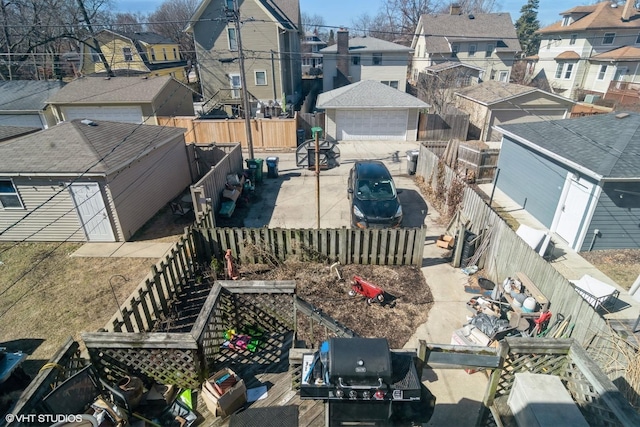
(598, 294)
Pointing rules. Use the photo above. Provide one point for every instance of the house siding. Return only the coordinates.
(260, 36)
(137, 192)
(173, 100)
(52, 213)
(531, 180)
(477, 117)
(617, 219)
(412, 125)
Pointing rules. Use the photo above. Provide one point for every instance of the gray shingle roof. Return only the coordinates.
(444, 28)
(91, 90)
(27, 95)
(368, 44)
(9, 132)
(368, 94)
(147, 37)
(493, 91)
(74, 147)
(607, 145)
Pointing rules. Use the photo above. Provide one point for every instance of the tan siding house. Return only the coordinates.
(123, 99)
(91, 181)
(271, 46)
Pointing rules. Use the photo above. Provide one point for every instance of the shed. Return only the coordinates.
(494, 103)
(123, 99)
(370, 110)
(88, 181)
(576, 178)
(24, 103)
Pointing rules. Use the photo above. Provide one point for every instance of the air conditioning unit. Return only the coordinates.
(591, 98)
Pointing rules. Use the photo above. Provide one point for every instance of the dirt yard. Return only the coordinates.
(623, 265)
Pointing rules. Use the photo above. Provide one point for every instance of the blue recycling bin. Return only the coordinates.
(272, 167)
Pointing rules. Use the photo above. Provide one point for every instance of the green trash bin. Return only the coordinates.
(255, 168)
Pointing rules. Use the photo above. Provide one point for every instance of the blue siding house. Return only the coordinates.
(579, 177)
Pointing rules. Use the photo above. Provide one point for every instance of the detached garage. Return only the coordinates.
(369, 110)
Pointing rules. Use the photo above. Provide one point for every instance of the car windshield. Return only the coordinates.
(375, 190)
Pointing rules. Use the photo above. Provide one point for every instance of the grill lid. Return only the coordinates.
(359, 360)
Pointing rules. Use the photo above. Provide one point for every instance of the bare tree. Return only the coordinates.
(127, 22)
(438, 89)
(169, 20)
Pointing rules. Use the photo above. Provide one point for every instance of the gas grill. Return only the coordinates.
(361, 380)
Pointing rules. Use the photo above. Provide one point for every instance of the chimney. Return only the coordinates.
(627, 10)
(342, 61)
(455, 9)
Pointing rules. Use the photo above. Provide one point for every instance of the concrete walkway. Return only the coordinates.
(565, 260)
(123, 250)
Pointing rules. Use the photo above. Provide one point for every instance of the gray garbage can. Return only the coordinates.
(272, 167)
(412, 161)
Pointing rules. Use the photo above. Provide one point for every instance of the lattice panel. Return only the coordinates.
(271, 355)
(296, 375)
(588, 399)
(220, 319)
(165, 366)
(272, 312)
(550, 364)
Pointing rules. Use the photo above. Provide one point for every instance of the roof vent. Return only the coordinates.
(471, 16)
(622, 115)
(88, 122)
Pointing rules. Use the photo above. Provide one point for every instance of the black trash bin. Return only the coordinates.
(272, 167)
(255, 169)
(412, 161)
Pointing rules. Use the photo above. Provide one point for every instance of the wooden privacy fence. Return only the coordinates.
(506, 253)
(306, 121)
(207, 192)
(397, 246)
(443, 127)
(267, 134)
(481, 162)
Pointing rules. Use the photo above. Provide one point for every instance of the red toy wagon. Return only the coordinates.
(371, 292)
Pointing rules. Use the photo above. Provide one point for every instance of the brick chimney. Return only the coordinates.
(628, 10)
(342, 60)
(455, 9)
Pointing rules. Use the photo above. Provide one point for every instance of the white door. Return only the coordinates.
(236, 85)
(371, 125)
(573, 208)
(109, 114)
(92, 212)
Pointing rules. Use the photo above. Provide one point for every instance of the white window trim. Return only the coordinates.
(506, 76)
(255, 75)
(568, 69)
(602, 72)
(376, 56)
(475, 49)
(572, 39)
(605, 36)
(125, 54)
(489, 51)
(14, 193)
(235, 38)
(638, 39)
(235, 90)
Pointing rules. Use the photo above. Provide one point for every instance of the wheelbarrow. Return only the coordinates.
(371, 292)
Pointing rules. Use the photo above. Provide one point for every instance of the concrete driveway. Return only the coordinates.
(290, 200)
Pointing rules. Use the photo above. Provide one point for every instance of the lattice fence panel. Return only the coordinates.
(220, 320)
(272, 312)
(550, 364)
(165, 366)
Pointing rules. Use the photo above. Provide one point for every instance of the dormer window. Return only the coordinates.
(454, 50)
(472, 49)
(608, 38)
(638, 39)
(566, 20)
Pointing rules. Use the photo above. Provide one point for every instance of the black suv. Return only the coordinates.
(373, 196)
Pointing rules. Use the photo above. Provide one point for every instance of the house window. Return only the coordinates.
(355, 60)
(489, 51)
(126, 52)
(573, 38)
(608, 38)
(236, 85)
(549, 43)
(392, 83)
(602, 72)
(233, 42)
(377, 59)
(566, 20)
(503, 76)
(559, 70)
(305, 61)
(567, 71)
(261, 78)
(638, 39)
(230, 4)
(454, 50)
(175, 53)
(9, 198)
(472, 49)
(153, 54)
(95, 56)
(164, 53)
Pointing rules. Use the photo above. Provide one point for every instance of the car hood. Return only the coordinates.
(378, 208)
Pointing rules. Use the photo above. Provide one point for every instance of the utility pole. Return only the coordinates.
(243, 81)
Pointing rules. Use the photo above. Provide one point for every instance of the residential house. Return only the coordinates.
(311, 56)
(370, 110)
(364, 58)
(496, 103)
(89, 181)
(575, 178)
(134, 54)
(122, 99)
(483, 40)
(592, 50)
(24, 103)
(271, 48)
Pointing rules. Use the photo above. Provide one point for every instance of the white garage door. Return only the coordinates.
(110, 114)
(371, 124)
